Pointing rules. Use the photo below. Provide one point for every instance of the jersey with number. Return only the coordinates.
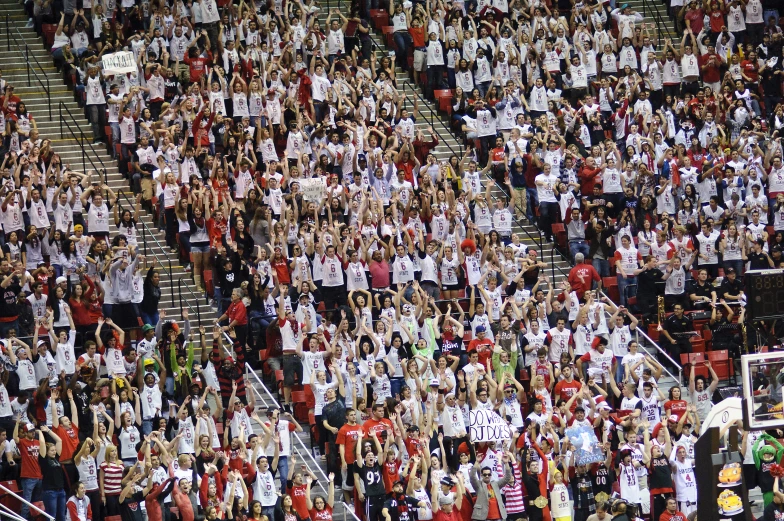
(128, 439)
(114, 362)
(452, 420)
(619, 340)
(402, 270)
(559, 502)
(650, 409)
(357, 278)
(685, 483)
(559, 343)
(332, 276)
(264, 489)
(629, 483)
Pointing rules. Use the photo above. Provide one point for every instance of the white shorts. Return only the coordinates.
(420, 63)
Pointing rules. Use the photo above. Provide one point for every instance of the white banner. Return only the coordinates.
(119, 63)
(487, 426)
(312, 189)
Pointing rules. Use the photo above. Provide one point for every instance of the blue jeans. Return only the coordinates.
(533, 200)
(150, 319)
(269, 512)
(737, 264)
(602, 267)
(623, 283)
(31, 490)
(146, 427)
(283, 470)
(54, 502)
(576, 247)
(402, 42)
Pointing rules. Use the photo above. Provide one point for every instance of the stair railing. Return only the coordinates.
(7, 32)
(298, 444)
(22, 500)
(69, 124)
(31, 63)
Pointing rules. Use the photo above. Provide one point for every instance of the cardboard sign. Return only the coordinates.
(587, 447)
(487, 426)
(119, 63)
(312, 189)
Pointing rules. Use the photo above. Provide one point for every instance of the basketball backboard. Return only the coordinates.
(763, 390)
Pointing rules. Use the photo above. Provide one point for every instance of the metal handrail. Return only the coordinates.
(23, 500)
(7, 32)
(639, 332)
(46, 87)
(67, 120)
(301, 451)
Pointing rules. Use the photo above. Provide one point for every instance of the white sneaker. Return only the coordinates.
(30, 24)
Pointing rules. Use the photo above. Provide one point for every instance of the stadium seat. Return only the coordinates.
(689, 359)
(389, 34)
(653, 332)
(722, 364)
(559, 233)
(300, 408)
(208, 283)
(610, 285)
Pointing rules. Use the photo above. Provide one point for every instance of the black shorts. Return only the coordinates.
(292, 365)
(450, 287)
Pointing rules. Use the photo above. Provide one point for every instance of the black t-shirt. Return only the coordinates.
(131, 509)
(8, 305)
(647, 279)
(674, 325)
(52, 471)
(371, 479)
(758, 261)
(773, 512)
(703, 290)
(450, 347)
(401, 508)
(660, 473)
(729, 287)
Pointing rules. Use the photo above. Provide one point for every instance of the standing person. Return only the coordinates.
(627, 260)
(489, 503)
(369, 484)
(96, 103)
(700, 394)
(53, 475)
(29, 446)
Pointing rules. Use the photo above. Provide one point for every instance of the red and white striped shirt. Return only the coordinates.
(112, 478)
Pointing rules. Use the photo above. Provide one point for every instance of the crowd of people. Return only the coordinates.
(292, 177)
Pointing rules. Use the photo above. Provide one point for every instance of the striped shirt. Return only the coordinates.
(513, 492)
(112, 478)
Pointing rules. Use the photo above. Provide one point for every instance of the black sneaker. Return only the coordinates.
(287, 408)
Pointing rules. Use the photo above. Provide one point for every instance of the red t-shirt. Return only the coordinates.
(716, 21)
(581, 277)
(30, 449)
(695, 16)
(454, 515)
(70, 439)
(677, 516)
(389, 472)
(711, 74)
(197, 65)
(492, 504)
(565, 390)
(379, 426)
(484, 347)
(321, 515)
(750, 69)
(299, 499)
(348, 435)
(676, 407)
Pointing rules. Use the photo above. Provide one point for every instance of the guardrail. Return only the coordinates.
(21, 499)
(639, 332)
(32, 69)
(299, 445)
(71, 124)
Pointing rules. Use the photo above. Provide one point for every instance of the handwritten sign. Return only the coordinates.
(119, 63)
(312, 189)
(485, 426)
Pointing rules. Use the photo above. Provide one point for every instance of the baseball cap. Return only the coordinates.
(60, 280)
(434, 381)
(147, 327)
(480, 329)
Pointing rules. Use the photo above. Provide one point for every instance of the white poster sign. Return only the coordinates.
(312, 189)
(487, 426)
(119, 63)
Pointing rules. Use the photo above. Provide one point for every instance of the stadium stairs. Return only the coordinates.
(29, 67)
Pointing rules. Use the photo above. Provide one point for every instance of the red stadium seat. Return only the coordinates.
(559, 232)
(300, 407)
(696, 359)
(653, 332)
(722, 364)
